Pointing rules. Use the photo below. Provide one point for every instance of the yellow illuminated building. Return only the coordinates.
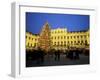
(31, 40)
(60, 38)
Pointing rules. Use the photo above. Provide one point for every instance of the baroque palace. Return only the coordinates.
(59, 39)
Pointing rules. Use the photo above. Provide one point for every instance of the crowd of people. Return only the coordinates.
(39, 55)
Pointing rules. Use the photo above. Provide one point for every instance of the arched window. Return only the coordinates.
(64, 37)
(55, 43)
(77, 36)
(61, 37)
(67, 37)
(58, 37)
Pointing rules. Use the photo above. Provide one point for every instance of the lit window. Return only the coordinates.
(51, 37)
(84, 36)
(61, 42)
(58, 43)
(58, 37)
(81, 36)
(67, 37)
(64, 42)
(82, 41)
(31, 45)
(85, 41)
(28, 44)
(64, 37)
(29, 37)
(78, 41)
(71, 42)
(74, 42)
(55, 43)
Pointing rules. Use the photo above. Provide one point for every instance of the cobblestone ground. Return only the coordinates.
(49, 60)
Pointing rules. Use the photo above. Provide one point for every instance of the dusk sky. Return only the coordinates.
(73, 22)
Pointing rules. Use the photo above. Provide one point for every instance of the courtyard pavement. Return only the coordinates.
(49, 60)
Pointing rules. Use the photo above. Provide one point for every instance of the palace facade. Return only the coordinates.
(59, 38)
(31, 40)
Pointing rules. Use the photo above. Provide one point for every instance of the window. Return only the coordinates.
(68, 42)
(82, 41)
(58, 37)
(77, 36)
(64, 43)
(74, 36)
(78, 41)
(67, 37)
(64, 37)
(28, 44)
(74, 42)
(85, 41)
(34, 44)
(61, 42)
(71, 42)
(55, 43)
(84, 36)
(29, 37)
(58, 43)
(31, 45)
(81, 36)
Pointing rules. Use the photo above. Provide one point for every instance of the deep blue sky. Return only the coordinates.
(73, 22)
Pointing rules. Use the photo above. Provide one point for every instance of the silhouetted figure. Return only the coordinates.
(66, 53)
(42, 55)
(77, 54)
(74, 55)
(70, 54)
(57, 55)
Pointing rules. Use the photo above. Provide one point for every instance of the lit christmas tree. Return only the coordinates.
(44, 40)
